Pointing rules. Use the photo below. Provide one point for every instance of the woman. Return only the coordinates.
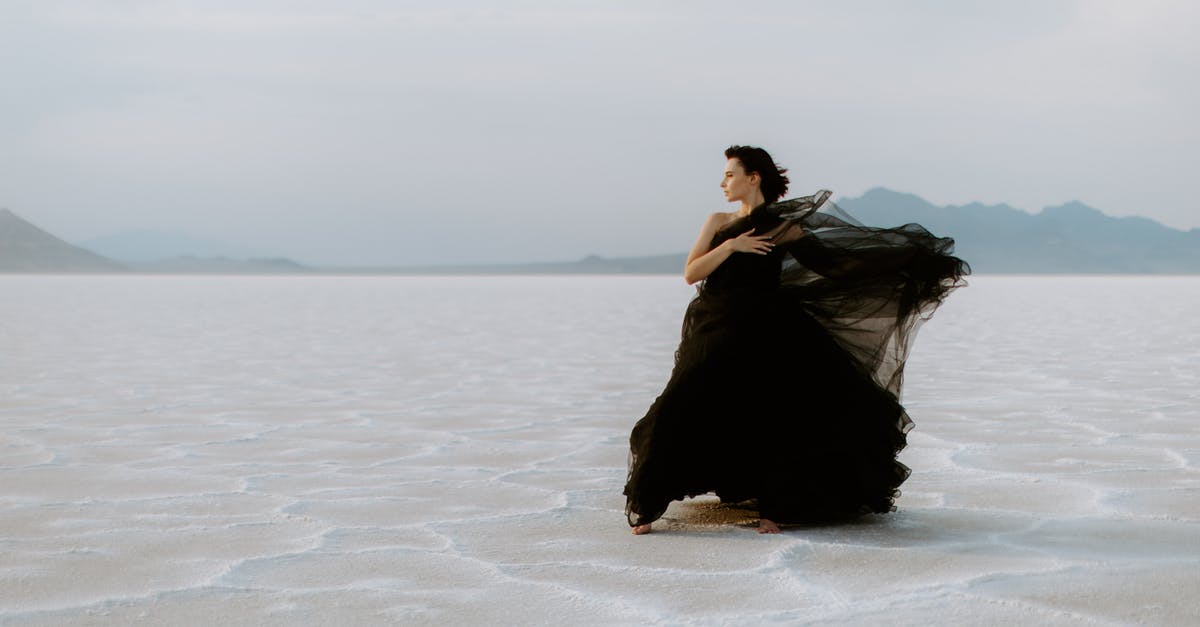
(787, 379)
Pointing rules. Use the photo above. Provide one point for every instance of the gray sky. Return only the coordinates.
(360, 132)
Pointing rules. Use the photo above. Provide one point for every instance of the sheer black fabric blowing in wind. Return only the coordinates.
(787, 381)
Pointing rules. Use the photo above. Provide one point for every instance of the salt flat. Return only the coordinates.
(450, 450)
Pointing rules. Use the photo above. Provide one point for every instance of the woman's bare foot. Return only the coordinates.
(765, 526)
(641, 529)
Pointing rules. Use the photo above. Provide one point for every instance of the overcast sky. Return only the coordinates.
(361, 132)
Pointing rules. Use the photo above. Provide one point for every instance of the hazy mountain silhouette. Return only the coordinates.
(1070, 238)
(147, 245)
(26, 248)
(187, 264)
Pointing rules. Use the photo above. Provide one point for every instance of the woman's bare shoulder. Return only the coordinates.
(719, 219)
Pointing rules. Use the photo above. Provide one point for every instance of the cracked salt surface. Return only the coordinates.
(432, 450)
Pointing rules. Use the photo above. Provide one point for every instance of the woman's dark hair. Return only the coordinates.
(774, 183)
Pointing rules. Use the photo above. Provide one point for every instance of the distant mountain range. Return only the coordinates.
(1070, 238)
(146, 246)
(27, 248)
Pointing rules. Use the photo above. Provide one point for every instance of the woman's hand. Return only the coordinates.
(749, 243)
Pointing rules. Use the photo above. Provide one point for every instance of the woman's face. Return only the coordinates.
(738, 185)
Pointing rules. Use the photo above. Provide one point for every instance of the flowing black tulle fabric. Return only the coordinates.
(787, 380)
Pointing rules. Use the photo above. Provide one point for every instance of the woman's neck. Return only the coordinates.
(753, 201)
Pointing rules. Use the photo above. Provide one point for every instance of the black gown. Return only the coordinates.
(787, 380)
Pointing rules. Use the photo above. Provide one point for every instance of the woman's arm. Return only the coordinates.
(701, 261)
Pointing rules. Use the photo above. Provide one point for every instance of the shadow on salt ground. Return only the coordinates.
(706, 513)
